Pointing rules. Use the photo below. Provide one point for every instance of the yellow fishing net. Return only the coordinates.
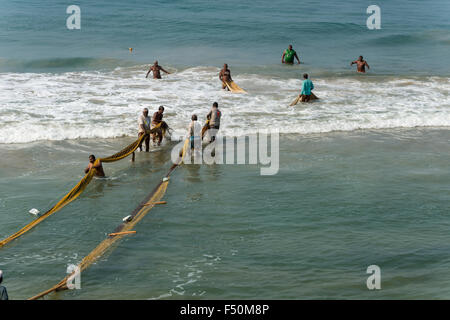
(234, 87)
(81, 185)
(138, 213)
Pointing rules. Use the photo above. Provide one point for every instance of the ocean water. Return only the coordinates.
(364, 171)
(341, 201)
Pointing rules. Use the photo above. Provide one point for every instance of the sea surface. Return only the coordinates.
(364, 171)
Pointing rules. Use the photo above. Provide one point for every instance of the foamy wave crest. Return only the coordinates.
(93, 104)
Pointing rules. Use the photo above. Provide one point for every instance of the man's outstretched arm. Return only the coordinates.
(149, 70)
(282, 57)
(165, 70)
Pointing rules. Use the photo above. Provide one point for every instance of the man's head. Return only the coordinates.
(290, 47)
(194, 117)
(156, 63)
(305, 76)
(225, 66)
(215, 105)
(360, 58)
(160, 109)
(145, 112)
(1, 276)
(91, 158)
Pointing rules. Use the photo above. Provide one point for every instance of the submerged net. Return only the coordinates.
(81, 185)
(141, 210)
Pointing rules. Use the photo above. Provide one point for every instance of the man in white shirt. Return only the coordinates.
(144, 122)
(194, 132)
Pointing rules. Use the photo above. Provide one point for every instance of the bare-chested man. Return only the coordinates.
(361, 64)
(156, 69)
(99, 168)
(225, 76)
(156, 119)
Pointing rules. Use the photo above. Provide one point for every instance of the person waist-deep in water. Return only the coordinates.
(3, 292)
(98, 167)
(307, 86)
(157, 119)
(361, 64)
(156, 70)
(225, 76)
(214, 116)
(288, 56)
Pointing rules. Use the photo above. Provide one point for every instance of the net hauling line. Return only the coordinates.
(81, 185)
(141, 210)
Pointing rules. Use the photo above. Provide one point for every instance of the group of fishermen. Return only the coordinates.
(155, 127)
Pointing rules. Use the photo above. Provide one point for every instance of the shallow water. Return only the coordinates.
(340, 202)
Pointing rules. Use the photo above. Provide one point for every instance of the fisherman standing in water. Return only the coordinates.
(99, 168)
(288, 56)
(144, 127)
(225, 76)
(214, 116)
(194, 132)
(156, 69)
(307, 86)
(3, 292)
(361, 64)
(156, 119)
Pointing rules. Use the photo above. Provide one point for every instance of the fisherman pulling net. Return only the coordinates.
(124, 228)
(83, 183)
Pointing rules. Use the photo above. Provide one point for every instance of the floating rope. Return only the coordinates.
(81, 185)
(142, 209)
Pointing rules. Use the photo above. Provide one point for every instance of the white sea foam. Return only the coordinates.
(92, 104)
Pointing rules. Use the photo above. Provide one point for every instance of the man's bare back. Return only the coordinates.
(360, 64)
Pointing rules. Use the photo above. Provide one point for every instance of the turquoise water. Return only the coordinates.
(413, 39)
(340, 202)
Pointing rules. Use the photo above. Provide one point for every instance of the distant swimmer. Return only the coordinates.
(225, 76)
(156, 69)
(194, 132)
(3, 292)
(361, 64)
(144, 122)
(214, 116)
(99, 168)
(307, 86)
(288, 56)
(156, 119)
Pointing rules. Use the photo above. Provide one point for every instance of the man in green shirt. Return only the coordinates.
(288, 56)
